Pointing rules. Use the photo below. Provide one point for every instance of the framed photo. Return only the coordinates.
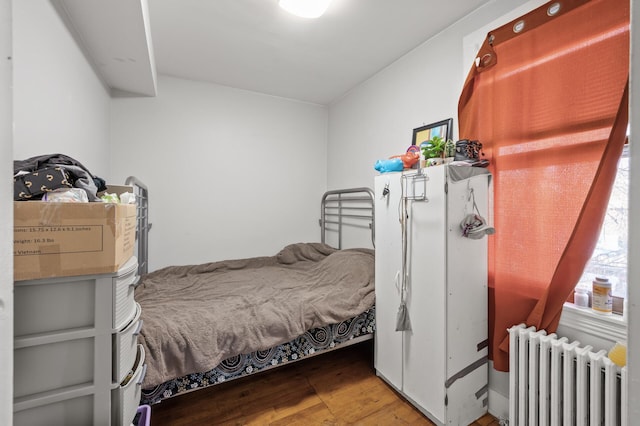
(443, 128)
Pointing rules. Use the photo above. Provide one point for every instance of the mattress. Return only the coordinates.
(206, 323)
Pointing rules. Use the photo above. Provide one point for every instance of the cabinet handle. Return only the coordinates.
(144, 373)
(135, 282)
(136, 332)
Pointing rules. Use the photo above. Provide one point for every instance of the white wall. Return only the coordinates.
(60, 105)
(6, 220)
(231, 173)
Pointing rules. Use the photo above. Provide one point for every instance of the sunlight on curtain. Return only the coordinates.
(546, 100)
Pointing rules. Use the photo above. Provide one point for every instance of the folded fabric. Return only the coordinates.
(29, 186)
(80, 176)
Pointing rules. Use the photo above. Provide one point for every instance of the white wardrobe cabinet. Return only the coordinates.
(440, 364)
(76, 356)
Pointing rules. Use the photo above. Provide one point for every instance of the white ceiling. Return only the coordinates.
(255, 45)
(252, 44)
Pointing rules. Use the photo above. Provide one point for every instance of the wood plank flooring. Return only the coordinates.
(337, 388)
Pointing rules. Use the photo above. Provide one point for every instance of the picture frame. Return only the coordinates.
(443, 128)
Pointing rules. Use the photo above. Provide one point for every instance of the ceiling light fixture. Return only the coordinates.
(305, 8)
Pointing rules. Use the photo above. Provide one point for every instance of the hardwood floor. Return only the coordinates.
(337, 388)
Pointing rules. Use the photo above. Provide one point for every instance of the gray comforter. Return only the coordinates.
(196, 316)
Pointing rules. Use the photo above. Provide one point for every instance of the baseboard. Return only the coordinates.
(498, 406)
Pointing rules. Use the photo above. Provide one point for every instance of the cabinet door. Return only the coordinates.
(467, 304)
(388, 341)
(424, 345)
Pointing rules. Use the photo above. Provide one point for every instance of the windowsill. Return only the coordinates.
(611, 327)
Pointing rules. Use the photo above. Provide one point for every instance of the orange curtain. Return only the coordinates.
(548, 100)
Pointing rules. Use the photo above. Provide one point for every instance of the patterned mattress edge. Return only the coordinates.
(310, 343)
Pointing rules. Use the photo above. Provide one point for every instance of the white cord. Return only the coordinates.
(403, 223)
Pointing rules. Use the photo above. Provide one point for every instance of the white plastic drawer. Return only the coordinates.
(74, 411)
(49, 305)
(126, 398)
(125, 344)
(63, 303)
(124, 306)
(49, 367)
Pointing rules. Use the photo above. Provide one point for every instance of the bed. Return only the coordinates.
(210, 323)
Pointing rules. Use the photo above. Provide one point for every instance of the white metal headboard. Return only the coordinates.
(351, 207)
(347, 207)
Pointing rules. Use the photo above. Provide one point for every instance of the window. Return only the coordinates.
(610, 255)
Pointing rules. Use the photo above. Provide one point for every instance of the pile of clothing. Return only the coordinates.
(36, 176)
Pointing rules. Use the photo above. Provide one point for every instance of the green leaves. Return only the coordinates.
(437, 147)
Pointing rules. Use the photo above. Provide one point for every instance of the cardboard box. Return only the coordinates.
(67, 239)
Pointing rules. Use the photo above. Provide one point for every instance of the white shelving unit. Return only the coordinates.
(76, 357)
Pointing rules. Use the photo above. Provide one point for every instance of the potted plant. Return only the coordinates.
(436, 149)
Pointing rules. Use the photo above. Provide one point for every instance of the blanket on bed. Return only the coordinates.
(198, 315)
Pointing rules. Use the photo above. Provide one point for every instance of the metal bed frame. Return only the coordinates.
(347, 207)
(143, 226)
(339, 208)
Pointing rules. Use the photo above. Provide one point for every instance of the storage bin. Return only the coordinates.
(74, 411)
(126, 398)
(71, 303)
(49, 305)
(144, 416)
(123, 293)
(52, 366)
(74, 342)
(125, 344)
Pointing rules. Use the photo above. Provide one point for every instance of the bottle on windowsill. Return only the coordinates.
(580, 297)
(602, 300)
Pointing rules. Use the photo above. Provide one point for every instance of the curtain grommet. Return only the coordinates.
(553, 9)
(518, 26)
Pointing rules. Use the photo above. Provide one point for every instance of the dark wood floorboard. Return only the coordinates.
(337, 388)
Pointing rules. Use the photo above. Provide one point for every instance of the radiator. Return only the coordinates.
(556, 382)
